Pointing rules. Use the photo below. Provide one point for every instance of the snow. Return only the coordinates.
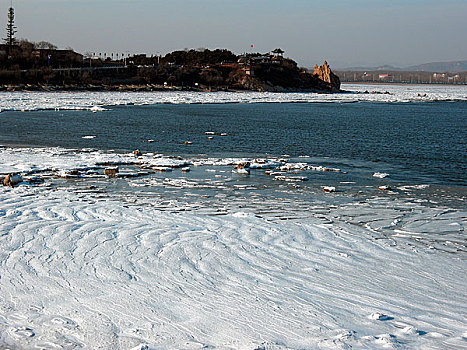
(100, 101)
(80, 272)
(380, 175)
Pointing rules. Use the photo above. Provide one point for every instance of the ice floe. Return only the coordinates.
(380, 175)
(96, 101)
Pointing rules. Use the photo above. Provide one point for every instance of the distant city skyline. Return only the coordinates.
(360, 33)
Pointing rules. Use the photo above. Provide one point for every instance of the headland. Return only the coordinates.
(28, 66)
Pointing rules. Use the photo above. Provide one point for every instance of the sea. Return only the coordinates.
(347, 231)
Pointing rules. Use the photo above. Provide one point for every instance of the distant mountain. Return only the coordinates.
(364, 69)
(450, 67)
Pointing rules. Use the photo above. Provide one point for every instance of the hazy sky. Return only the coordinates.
(345, 32)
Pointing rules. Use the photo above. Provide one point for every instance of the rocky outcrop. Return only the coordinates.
(284, 76)
(325, 74)
(276, 78)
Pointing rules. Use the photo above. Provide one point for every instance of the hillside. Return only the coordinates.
(450, 67)
(188, 69)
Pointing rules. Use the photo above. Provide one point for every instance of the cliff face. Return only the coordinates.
(286, 77)
(325, 74)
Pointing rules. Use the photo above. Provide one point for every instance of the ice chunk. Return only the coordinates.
(328, 189)
(96, 109)
(379, 316)
(380, 175)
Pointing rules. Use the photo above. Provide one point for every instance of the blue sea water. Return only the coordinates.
(415, 142)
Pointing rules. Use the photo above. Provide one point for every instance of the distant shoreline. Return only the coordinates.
(396, 83)
(160, 88)
(139, 88)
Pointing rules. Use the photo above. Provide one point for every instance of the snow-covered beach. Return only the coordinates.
(217, 259)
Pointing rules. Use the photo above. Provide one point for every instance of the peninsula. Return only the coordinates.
(41, 66)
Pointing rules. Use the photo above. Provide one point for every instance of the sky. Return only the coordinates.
(343, 32)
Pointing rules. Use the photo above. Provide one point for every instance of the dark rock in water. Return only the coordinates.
(35, 180)
(12, 180)
(243, 168)
(111, 171)
(243, 165)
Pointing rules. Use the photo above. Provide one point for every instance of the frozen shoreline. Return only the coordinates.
(99, 101)
(84, 271)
